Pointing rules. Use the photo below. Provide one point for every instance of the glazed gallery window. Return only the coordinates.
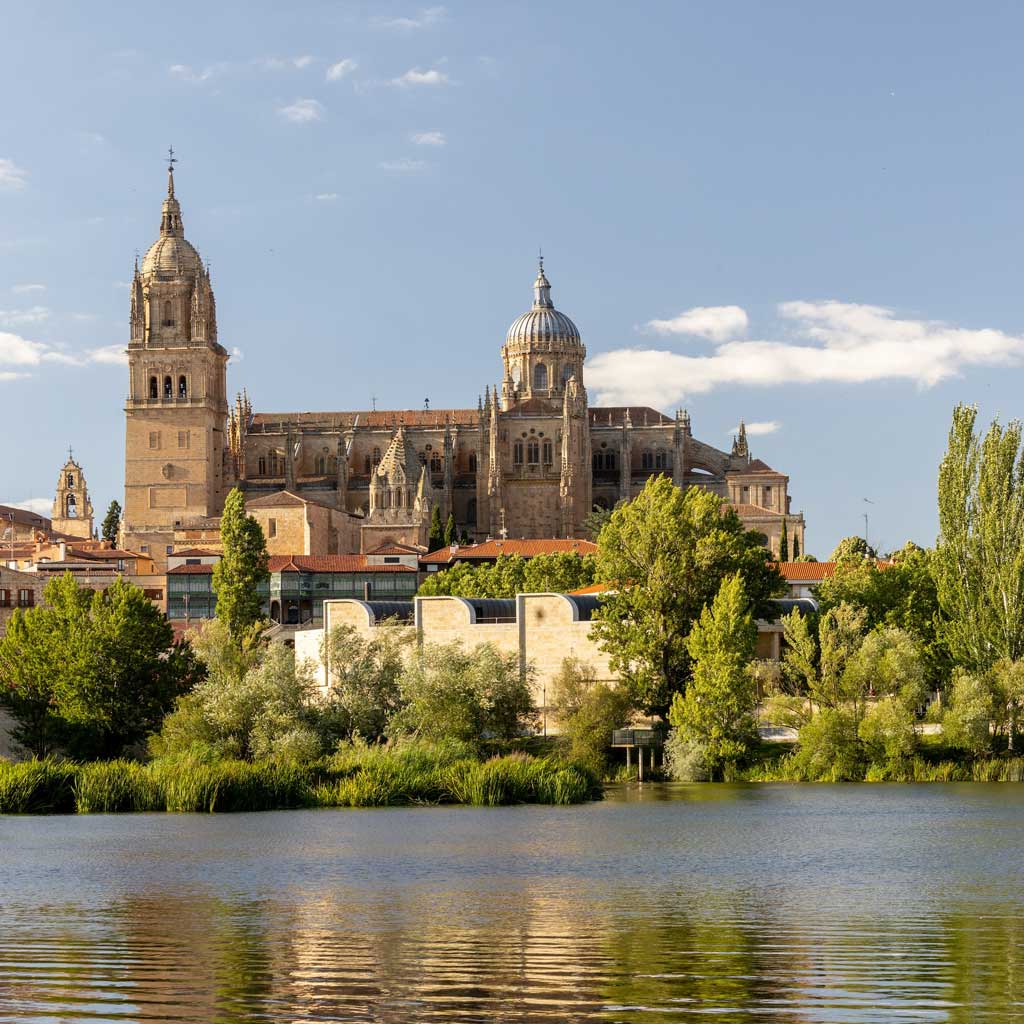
(517, 453)
(533, 453)
(548, 453)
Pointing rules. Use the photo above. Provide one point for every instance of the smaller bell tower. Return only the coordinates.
(72, 509)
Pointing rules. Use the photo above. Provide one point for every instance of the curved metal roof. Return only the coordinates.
(586, 605)
(403, 611)
(493, 608)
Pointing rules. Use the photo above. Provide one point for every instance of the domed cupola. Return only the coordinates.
(171, 255)
(542, 348)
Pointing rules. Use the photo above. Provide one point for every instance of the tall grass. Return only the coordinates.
(356, 776)
(916, 769)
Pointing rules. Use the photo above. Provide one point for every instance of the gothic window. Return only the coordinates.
(182, 387)
(660, 460)
(472, 462)
(72, 507)
(609, 460)
(168, 315)
(398, 499)
(275, 464)
(321, 465)
(540, 377)
(435, 463)
(646, 459)
(376, 456)
(548, 453)
(598, 462)
(153, 388)
(517, 453)
(167, 387)
(533, 453)
(261, 466)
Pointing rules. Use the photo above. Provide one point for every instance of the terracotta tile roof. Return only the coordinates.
(330, 563)
(490, 549)
(594, 588)
(397, 549)
(23, 517)
(378, 419)
(194, 553)
(599, 416)
(190, 570)
(801, 571)
(103, 554)
(279, 499)
(742, 509)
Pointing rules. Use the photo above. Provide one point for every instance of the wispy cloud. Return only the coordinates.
(41, 506)
(429, 138)
(285, 63)
(717, 323)
(12, 176)
(826, 342)
(326, 197)
(403, 166)
(26, 289)
(416, 77)
(303, 111)
(339, 69)
(424, 19)
(108, 355)
(236, 353)
(187, 73)
(23, 317)
(757, 429)
(25, 355)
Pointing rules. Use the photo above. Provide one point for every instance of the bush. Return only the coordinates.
(685, 759)
(828, 749)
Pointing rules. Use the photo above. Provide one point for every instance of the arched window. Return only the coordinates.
(72, 507)
(168, 393)
(646, 459)
(71, 479)
(275, 464)
(567, 372)
(261, 466)
(154, 388)
(436, 465)
(598, 462)
(548, 453)
(398, 499)
(517, 453)
(533, 453)
(660, 460)
(540, 377)
(609, 460)
(182, 387)
(168, 314)
(376, 456)
(472, 462)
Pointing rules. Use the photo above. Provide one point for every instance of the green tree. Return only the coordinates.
(979, 558)
(718, 709)
(111, 522)
(852, 549)
(664, 556)
(784, 544)
(435, 539)
(365, 676)
(557, 573)
(94, 671)
(449, 530)
(984, 705)
(241, 569)
(796, 547)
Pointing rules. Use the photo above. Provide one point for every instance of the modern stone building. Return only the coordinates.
(531, 460)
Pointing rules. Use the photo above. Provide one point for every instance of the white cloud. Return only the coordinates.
(326, 197)
(21, 317)
(41, 506)
(303, 111)
(25, 289)
(7, 375)
(717, 323)
(11, 175)
(187, 73)
(756, 429)
(424, 19)
(340, 69)
(414, 76)
(236, 353)
(403, 166)
(108, 355)
(830, 342)
(429, 138)
(20, 352)
(285, 63)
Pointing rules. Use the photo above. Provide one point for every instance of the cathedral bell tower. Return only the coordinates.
(72, 509)
(177, 409)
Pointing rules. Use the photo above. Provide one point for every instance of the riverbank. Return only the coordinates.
(354, 777)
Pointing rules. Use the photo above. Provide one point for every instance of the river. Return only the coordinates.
(781, 903)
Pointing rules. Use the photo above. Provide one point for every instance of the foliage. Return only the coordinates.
(983, 705)
(241, 569)
(365, 678)
(685, 759)
(90, 671)
(596, 520)
(784, 543)
(111, 522)
(852, 549)
(256, 703)
(717, 710)
(979, 558)
(797, 557)
(449, 530)
(435, 539)
(557, 573)
(449, 692)
(902, 594)
(588, 712)
(679, 546)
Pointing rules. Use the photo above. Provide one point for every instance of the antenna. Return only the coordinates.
(866, 544)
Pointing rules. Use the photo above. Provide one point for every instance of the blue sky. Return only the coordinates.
(806, 215)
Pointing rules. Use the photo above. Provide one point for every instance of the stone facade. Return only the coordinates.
(72, 509)
(531, 460)
(18, 590)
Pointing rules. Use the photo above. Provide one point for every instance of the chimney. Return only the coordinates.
(63, 548)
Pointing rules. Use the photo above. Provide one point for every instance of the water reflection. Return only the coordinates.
(748, 904)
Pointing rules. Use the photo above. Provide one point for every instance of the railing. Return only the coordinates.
(638, 737)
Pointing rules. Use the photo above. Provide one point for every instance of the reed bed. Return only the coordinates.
(356, 776)
(916, 769)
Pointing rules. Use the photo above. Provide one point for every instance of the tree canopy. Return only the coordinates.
(111, 522)
(852, 549)
(241, 569)
(665, 555)
(558, 573)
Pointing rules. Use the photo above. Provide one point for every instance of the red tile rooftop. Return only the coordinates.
(494, 548)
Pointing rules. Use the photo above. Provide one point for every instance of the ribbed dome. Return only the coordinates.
(169, 256)
(543, 323)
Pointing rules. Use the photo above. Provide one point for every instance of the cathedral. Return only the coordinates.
(531, 460)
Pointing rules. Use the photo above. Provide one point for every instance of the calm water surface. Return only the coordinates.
(674, 903)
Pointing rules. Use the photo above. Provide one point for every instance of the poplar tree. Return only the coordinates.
(796, 546)
(241, 569)
(784, 544)
(449, 530)
(979, 558)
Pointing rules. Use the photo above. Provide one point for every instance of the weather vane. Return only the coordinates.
(171, 159)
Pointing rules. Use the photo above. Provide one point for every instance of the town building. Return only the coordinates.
(531, 460)
(489, 551)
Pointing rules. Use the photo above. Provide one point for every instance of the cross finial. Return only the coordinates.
(71, 454)
(171, 159)
(540, 258)
(373, 402)
(426, 403)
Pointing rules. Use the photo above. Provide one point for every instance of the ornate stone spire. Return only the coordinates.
(170, 219)
(740, 448)
(542, 288)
